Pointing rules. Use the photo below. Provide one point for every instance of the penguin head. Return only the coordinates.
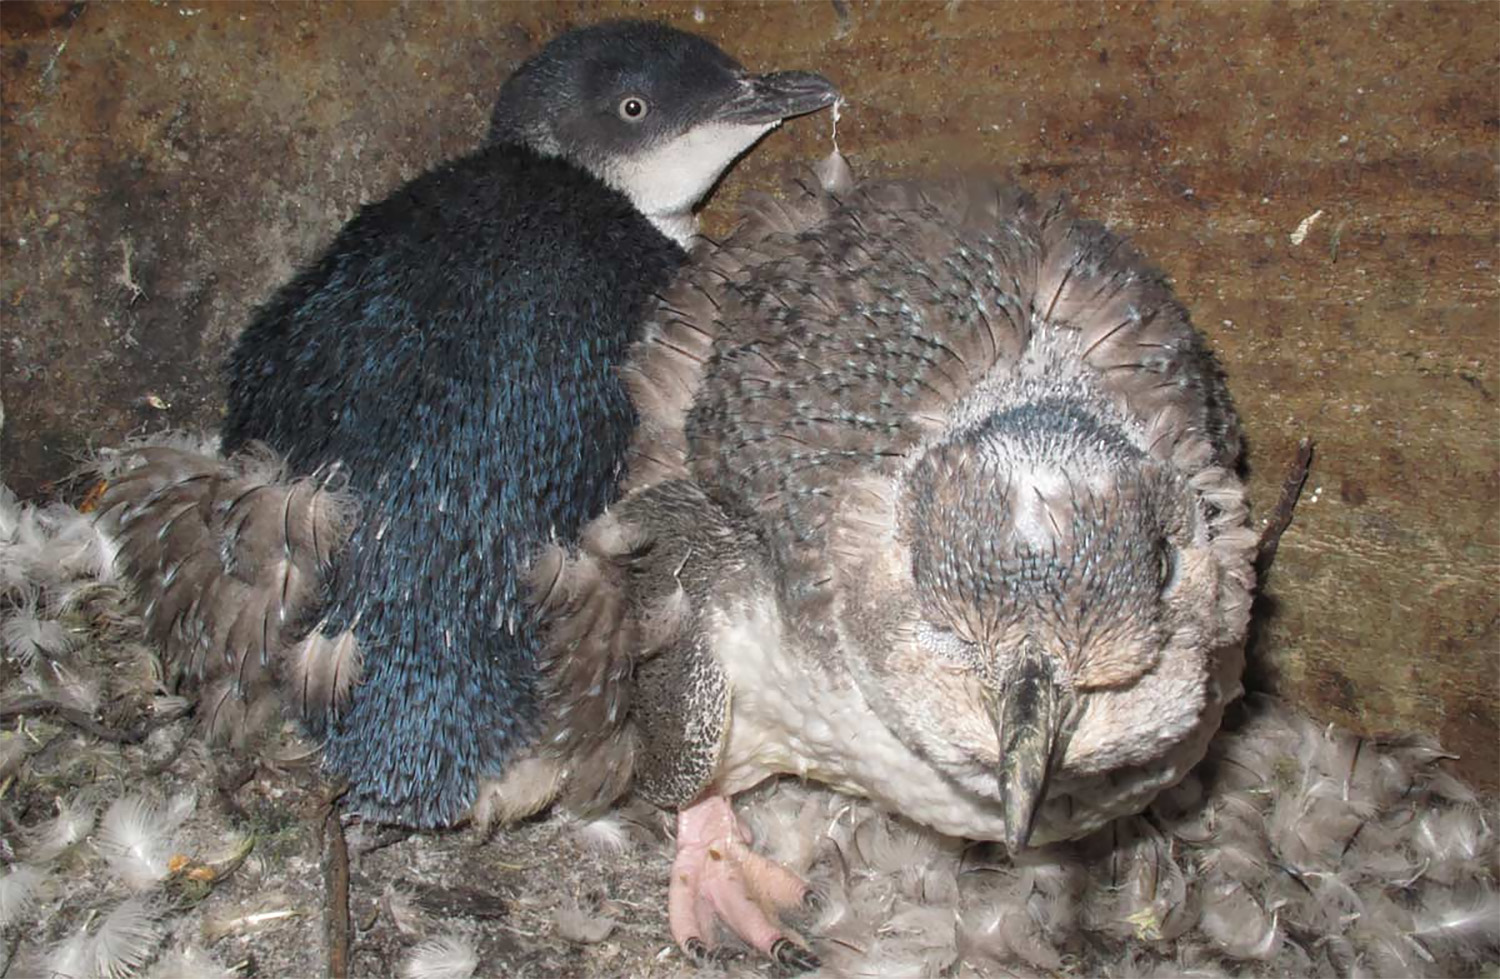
(1043, 606)
(656, 113)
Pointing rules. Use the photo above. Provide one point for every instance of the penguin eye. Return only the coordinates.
(633, 108)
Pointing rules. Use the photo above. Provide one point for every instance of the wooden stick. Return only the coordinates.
(35, 706)
(1281, 517)
(336, 878)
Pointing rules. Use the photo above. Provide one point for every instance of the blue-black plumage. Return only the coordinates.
(448, 366)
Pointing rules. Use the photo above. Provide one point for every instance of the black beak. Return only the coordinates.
(1028, 715)
(777, 96)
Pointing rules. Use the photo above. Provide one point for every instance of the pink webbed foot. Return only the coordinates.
(716, 877)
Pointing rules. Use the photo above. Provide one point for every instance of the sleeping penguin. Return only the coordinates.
(422, 408)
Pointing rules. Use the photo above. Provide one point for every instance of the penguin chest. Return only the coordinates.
(778, 723)
(788, 716)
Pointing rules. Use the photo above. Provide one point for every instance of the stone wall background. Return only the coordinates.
(1319, 180)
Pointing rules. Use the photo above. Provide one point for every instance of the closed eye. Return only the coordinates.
(942, 639)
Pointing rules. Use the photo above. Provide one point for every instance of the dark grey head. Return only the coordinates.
(657, 113)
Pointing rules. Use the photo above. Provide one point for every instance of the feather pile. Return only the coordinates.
(54, 567)
(1293, 850)
(83, 892)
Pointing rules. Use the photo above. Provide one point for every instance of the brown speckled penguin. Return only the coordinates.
(933, 500)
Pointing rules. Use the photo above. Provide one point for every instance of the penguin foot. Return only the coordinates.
(716, 877)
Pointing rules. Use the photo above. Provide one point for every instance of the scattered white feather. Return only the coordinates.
(1239, 925)
(892, 846)
(72, 824)
(134, 839)
(10, 514)
(190, 962)
(179, 808)
(51, 548)
(71, 958)
(18, 893)
(607, 834)
(27, 635)
(68, 683)
(126, 939)
(788, 833)
(22, 544)
(266, 910)
(1454, 842)
(1465, 925)
(13, 752)
(450, 956)
(76, 546)
(403, 910)
(577, 925)
(170, 705)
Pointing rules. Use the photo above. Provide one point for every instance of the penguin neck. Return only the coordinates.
(681, 227)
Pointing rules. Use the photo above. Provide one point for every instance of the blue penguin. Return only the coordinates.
(933, 500)
(419, 410)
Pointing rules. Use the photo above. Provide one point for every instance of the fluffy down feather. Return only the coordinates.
(135, 836)
(127, 938)
(73, 823)
(18, 893)
(450, 956)
(118, 946)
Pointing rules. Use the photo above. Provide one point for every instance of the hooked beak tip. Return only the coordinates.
(780, 95)
(1020, 798)
(1028, 715)
(1017, 835)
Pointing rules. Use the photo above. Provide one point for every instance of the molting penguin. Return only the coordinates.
(421, 408)
(933, 500)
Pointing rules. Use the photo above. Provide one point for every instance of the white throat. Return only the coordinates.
(667, 180)
(681, 228)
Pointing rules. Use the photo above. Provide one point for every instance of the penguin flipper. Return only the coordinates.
(634, 694)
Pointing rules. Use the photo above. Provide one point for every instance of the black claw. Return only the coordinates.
(793, 957)
(695, 950)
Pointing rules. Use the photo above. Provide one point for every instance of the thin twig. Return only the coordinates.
(336, 877)
(1281, 517)
(37, 707)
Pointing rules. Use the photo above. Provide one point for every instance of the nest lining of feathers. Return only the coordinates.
(1293, 849)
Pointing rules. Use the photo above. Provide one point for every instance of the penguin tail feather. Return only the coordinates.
(228, 558)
